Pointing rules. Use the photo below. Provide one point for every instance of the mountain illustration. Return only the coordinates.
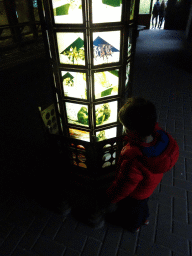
(114, 72)
(78, 43)
(67, 75)
(113, 3)
(99, 42)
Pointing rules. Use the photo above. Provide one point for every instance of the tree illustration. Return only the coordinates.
(75, 55)
(102, 79)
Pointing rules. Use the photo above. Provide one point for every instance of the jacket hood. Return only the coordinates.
(160, 155)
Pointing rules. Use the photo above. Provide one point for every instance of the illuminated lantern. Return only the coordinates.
(91, 48)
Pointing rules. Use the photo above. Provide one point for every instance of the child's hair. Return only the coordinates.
(139, 115)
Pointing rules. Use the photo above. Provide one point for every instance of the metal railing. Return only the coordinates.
(21, 37)
(19, 23)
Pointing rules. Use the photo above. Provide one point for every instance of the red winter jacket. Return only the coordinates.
(141, 166)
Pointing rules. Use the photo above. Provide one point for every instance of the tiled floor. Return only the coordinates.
(162, 74)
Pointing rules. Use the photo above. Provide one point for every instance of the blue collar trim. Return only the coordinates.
(158, 148)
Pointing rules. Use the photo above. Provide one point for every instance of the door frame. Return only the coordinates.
(145, 19)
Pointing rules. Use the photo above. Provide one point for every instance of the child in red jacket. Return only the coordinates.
(148, 154)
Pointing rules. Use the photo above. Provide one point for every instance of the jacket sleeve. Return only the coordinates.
(127, 180)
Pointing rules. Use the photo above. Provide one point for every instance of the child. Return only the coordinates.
(149, 153)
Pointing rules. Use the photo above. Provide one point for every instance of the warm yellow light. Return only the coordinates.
(105, 12)
(67, 11)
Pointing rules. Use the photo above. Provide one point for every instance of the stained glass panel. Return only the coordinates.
(77, 114)
(106, 47)
(132, 9)
(58, 106)
(106, 134)
(106, 113)
(106, 11)
(106, 83)
(48, 43)
(71, 48)
(127, 74)
(74, 84)
(129, 44)
(79, 134)
(67, 11)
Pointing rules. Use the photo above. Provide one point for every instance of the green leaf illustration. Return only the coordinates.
(113, 3)
(106, 92)
(62, 10)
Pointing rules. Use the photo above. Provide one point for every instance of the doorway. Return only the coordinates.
(145, 14)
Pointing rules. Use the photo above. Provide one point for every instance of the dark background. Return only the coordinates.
(27, 163)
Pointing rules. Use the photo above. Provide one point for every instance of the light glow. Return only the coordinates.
(79, 134)
(132, 9)
(74, 84)
(106, 113)
(127, 73)
(106, 11)
(106, 47)
(106, 83)
(71, 48)
(67, 11)
(106, 134)
(77, 114)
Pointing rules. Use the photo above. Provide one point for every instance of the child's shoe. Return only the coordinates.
(65, 208)
(96, 223)
(146, 222)
(133, 230)
(138, 229)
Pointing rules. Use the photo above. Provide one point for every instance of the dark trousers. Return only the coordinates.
(132, 212)
(155, 17)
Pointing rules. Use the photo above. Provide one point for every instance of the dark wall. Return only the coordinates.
(144, 19)
(24, 87)
(189, 25)
(177, 14)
